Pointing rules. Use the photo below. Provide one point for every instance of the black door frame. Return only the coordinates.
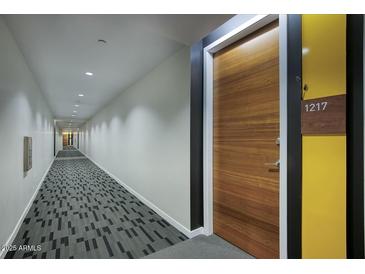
(294, 137)
(355, 137)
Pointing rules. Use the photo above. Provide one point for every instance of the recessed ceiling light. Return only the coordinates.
(74, 111)
(81, 95)
(73, 115)
(77, 106)
(88, 73)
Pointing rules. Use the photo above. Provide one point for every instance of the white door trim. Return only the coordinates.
(243, 30)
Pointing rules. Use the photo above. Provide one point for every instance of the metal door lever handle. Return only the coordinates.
(277, 141)
(276, 164)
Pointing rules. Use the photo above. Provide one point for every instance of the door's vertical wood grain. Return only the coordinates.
(246, 126)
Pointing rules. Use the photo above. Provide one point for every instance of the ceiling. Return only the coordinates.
(69, 124)
(60, 49)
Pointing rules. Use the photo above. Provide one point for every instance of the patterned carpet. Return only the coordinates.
(69, 153)
(81, 212)
(69, 148)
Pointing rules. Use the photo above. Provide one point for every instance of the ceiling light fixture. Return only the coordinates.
(77, 106)
(88, 73)
(81, 95)
(73, 115)
(74, 111)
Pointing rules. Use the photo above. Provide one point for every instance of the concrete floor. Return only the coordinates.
(201, 247)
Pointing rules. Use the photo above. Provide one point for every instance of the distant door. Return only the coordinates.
(65, 139)
(245, 143)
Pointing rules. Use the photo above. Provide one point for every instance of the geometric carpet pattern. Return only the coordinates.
(81, 212)
(69, 153)
(69, 148)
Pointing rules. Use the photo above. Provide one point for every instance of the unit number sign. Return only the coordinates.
(311, 107)
(324, 116)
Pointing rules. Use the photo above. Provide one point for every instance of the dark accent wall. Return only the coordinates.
(355, 138)
(196, 136)
(294, 143)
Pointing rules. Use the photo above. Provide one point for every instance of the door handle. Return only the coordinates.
(276, 164)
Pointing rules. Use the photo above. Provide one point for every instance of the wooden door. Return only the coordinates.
(65, 139)
(246, 128)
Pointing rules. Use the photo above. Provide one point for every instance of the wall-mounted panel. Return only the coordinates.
(27, 161)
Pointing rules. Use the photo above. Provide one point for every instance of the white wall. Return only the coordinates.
(23, 112)
(143, 137)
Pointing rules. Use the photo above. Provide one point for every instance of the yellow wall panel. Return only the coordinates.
(324, 197)
(324, 55)
(324, 157)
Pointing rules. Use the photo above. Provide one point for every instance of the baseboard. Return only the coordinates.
(197, 231)
(189, 233)
(25, 212)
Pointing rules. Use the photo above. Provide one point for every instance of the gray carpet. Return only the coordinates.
(201, 247)
(81, 212)
(69, 153)
(69, 148)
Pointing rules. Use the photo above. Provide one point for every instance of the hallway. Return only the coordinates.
(96, 160)
(181, 136)
(81, 212)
